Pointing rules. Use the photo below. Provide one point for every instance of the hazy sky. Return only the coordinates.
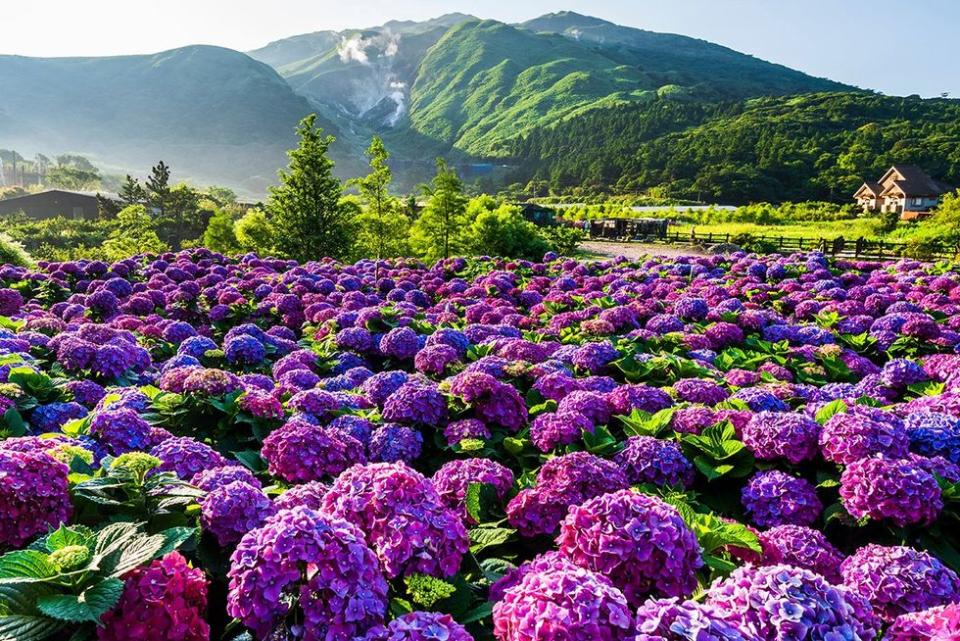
(893, 46)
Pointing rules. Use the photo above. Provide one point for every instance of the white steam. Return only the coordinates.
(380, 82)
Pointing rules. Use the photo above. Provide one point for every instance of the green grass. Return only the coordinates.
(849, 229)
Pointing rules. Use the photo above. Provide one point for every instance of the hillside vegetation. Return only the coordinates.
(814, 146)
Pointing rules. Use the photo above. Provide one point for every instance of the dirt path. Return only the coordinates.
(636, 250)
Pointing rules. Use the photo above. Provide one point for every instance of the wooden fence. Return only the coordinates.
(861, 248)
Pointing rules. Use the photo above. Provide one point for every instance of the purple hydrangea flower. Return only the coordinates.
(862, 432)
(941, 623)
(898, 579)
(393, 442)
(592, 609)
(326, 569)
(186, 456)
(774, 498)
(402, 516)
(556, 429)
(299, 452)
(563, 481)
(884, 488)
(646, 459)
(34, 495)
(787, 435)
(416, 403)
(419, 626)
(230, 511)
(676, 620)
(781, 602)
(468, 428)
(121, 431)
(454, 478)
(698, 390)
(209, 480)
(637, 541)
(802, 547)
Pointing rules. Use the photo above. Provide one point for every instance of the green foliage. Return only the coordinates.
(501, 230)
(68, 579)
(255, 233)
(12, 252)
(135, 234)
(220, 235)
(436, 233)
(564, 240)
(305, 209)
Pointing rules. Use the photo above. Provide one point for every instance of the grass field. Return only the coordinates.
(851, 229)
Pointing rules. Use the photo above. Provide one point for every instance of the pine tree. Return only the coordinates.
(158, 187)
(306, 211)
(382, 226)
(438, 229)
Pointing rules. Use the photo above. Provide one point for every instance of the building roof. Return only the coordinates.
(87, 194)
(915, 182)
(872, 187)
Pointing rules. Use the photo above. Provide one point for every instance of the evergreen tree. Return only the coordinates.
(307, 215)
(158, 187)
(382, 226)
(132, 192)
(438, 229)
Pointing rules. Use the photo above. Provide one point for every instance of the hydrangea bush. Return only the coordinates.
(732, 448)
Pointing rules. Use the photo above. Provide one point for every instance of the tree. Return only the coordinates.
(135, 234)
(500, 229)
(255, 233)
(158, 187)
(436, 232)
(305, 210)
(132, 192)
(382, 227)
(220, 235)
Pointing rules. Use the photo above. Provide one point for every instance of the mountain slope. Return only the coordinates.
(808, 147)
(213, 114)
(682, 60)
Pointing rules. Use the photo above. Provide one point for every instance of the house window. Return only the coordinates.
(918, 201)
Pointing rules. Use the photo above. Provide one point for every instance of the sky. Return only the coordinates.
(898, 47)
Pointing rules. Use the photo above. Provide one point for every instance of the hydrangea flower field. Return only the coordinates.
(733, 448)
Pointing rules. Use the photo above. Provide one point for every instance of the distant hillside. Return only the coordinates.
(681, 60)
(814, 146)
(213, 114)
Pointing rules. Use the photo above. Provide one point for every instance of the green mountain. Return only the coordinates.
(681, 60)
(468, 87)
(214, 114)
(812, 146)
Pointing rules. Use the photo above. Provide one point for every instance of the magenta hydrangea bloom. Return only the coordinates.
(941, 623)
(261, 404)
(784, 602)
(186, 456)
(163, 601)
(555, 429)
(546, 562)
(774, 498)
(637, 541)
(416, 403)
(308, 495)
(863, 432)
(419, 626)
(645, 459)
(627, 398)
(402, 516)
(563, 481)
(454, 478)
(802, 547)
(787, 435)
(34, 495)
(676, 620)
(468, 428)
(698, 390)
(884, 488)
(493, 402)
(121, 431)
(569, 604)
(209, 480)
(899, 579)
(393, 442)
(232, 510)
(325, 568)
(299, 452)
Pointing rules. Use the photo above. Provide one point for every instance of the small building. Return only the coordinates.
(904, 189)
(52, 203)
